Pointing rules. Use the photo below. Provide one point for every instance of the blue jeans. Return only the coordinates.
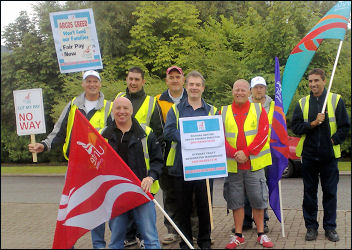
(98, 234)
(145, 218)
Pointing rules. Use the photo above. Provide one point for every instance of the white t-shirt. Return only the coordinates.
(176, 100)
(90, 104)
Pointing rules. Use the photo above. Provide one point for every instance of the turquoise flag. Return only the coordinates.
(333, 25)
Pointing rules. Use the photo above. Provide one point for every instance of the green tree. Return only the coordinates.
(163, 35)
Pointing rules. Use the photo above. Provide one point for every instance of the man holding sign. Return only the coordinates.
(248, 153)
(96, 109)
(194, 105)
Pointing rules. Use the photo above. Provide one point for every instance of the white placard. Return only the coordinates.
(29, 111)
(203, 147)
(76, 41)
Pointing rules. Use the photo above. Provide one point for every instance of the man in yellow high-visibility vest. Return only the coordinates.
(174, 94)
(193, 105)
(147, 112)
(139, 148)
(96, 109)
(258, 94)
(319, 146)
(248, 153)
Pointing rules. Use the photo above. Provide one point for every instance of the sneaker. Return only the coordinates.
(130, 242)
(169, 238)
(311, 234)
(264, 241)
(141, 244)
(235, 242)
(332, 235)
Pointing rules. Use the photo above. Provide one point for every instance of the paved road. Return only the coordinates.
(47, 189)
(29, 210)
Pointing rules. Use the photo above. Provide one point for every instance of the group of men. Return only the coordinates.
(134, 116)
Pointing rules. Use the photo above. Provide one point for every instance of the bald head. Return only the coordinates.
(122, 110)
(241, 91)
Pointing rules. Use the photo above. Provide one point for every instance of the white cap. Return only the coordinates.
(257, 80)
(91, 73)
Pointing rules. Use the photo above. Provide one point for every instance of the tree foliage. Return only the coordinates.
(224, 40)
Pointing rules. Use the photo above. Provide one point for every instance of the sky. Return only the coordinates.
(10, 10)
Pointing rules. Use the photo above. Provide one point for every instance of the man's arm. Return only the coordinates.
(155, 157)
(171, 133)
(56, 137)
(157, 123)
(262, 135)
(342, 122)
(299, 127)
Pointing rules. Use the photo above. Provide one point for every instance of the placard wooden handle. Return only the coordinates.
(34, 154)
(210, 206)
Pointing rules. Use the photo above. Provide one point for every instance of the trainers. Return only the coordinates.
(332, 235)
(311, 234)
(235, 242)
(264, 241)
(141, 244)
(130, 242)
(169, 238)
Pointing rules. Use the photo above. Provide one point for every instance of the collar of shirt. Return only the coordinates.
(240, 109)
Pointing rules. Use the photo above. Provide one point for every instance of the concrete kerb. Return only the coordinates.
(46, 174)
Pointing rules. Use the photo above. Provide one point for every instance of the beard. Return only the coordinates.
(258, 98)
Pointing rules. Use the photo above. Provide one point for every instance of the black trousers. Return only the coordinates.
(169, 200)
(329, 177)
(184, 191)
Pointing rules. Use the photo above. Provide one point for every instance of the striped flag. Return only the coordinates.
(98, 187)
(332, 26)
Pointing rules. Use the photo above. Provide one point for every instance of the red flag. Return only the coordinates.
(99, 185)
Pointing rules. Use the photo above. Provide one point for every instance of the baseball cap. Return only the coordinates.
(257, 80)
(176, 68)
(91, 73)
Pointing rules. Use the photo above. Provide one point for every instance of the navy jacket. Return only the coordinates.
(318, 145)
(135, 150)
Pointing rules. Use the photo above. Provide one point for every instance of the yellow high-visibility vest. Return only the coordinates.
(144, 113)
(332, 102)
(171, 156)
(98, 121)
(259, 161)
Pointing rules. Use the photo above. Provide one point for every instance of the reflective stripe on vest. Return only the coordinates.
(331, 105)
(155, 186)
(98, 121)
(270, 116)
(172, 153)
(145, 111)
(259, 161)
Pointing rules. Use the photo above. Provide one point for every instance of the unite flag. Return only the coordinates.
(278, 146)
(98, 187)
(332, 26)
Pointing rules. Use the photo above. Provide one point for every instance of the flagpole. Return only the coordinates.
(173, 224)
(332, 76)
(281, 212)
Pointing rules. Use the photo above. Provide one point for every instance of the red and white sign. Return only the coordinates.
(99, 185)
(29, 111)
